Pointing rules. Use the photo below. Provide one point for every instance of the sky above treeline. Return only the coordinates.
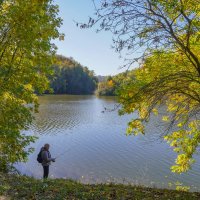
(89, 48)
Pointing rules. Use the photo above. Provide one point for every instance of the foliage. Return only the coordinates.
(168, 33)
(106, 88)
(22, 187)
(110, 85)
(171, 86)
(26, 30)
(70, 77)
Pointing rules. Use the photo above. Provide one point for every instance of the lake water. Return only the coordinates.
(97, 149)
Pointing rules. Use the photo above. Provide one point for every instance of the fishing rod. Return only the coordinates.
(62, 153)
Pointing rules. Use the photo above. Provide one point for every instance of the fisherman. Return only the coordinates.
(46, 160)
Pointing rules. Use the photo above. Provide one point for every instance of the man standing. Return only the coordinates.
(46, 160)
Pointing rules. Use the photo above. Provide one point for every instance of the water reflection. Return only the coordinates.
(99, 150)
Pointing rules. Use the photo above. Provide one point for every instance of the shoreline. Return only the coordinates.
(24, 187)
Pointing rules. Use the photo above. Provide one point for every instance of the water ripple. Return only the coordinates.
(99, 151)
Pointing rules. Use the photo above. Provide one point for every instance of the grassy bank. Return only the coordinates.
(22, 187)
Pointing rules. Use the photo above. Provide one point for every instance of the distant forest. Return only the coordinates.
(70, 77)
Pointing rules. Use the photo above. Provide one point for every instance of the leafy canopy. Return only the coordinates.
(26, 30)
(168, 76)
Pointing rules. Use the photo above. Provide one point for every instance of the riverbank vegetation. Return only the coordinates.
(70, 77)
(22, 187)
(27, 29)
(109, 85)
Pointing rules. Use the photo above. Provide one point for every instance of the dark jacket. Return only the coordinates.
(46, 157)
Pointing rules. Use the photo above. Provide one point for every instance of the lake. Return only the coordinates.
(95, 148)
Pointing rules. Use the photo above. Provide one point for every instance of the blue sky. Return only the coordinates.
(89, 48)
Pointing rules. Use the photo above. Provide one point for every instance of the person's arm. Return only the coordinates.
(45, 157)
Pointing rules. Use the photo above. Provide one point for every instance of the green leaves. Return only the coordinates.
(26, 30)
(166, 82)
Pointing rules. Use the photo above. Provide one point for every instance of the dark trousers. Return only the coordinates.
(46, 171)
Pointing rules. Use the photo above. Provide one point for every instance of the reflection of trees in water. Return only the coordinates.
(60, 113)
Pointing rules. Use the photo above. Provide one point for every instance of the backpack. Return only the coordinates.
(39, 157)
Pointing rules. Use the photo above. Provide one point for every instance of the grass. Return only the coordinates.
(23, 187)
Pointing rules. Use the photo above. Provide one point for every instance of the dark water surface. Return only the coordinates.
(97, 148)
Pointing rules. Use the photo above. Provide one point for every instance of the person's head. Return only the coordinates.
(46, 146)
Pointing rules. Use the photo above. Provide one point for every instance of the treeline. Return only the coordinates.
(70, 77)
(108, 85)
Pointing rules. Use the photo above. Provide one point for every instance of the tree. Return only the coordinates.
(110, 85)
(151, 24)
(106, 88)
(26, 30)
(168, 33)
(70, 77)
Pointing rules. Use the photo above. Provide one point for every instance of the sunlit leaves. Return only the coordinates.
(135, 127)
(166, 82)
(26, 30)
(185, 143)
